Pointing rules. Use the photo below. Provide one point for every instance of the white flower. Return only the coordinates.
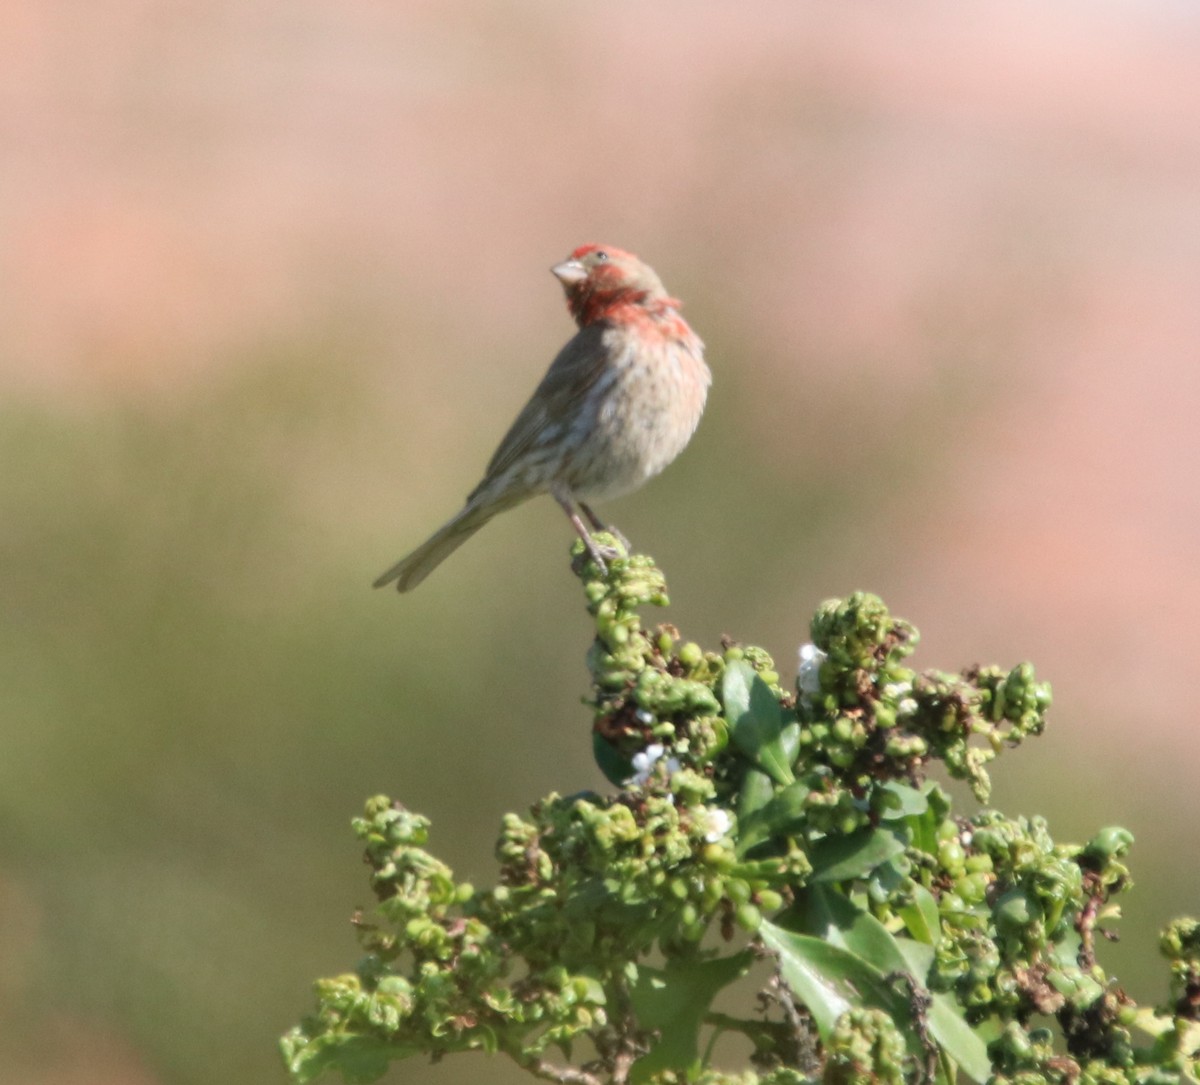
(644, 761)
(809, 677)
(716, 823)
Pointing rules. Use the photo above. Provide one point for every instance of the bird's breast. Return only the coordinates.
(647, 404)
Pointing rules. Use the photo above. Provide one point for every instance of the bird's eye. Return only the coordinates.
(601, 257)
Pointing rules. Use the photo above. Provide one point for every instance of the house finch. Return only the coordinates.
(617, 405)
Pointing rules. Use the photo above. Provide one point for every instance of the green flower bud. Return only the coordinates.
(952, 857)
(717, 855)
(972, 887)
(1108, 844)
(737, 890)
(1180, 939)
(950, 904)
(1016, 911)
(769, 900)
(979, 864)
(842, 757)
(843, 729)
(691, 655)
(948, 830)
(851, 820)
(748, 917)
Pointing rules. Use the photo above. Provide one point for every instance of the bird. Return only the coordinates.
(619, 402)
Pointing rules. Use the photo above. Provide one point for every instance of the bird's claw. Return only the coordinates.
(620, 538)
(600, 556)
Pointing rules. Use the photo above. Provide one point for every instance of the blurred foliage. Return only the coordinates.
(188, 703)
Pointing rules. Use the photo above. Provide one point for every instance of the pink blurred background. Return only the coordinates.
(272, 283)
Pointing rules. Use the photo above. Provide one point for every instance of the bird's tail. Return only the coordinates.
(409, 571)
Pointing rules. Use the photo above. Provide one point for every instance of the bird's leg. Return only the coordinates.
(597, 551)
(600, 525)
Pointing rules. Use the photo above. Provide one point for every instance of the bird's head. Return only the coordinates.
(600, 278)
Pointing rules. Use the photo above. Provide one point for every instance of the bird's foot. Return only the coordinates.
(620, 538)
(600, 554)
(600, 525)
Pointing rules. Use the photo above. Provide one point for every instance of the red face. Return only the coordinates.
(598, 277)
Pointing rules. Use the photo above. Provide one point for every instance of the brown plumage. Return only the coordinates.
(618, 404)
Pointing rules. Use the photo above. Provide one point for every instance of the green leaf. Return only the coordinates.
(908, 801)
(923, 827)
(961, 1042)
(872, 953)
(616, 768)
(830, 980)
(1065, 951)
(756, 722)
(756, 792)
(827, 914)
(918, 955)
(789, 737)
(357, 1057)
(781, 812)
(921, 918)
(673, 1001)
(832, 917)
(839, 858)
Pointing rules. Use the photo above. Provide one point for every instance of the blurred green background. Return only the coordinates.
(274, 284)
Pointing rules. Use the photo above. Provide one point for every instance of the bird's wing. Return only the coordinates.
(555, 405)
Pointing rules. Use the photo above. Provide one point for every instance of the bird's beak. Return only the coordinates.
(569, 272)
